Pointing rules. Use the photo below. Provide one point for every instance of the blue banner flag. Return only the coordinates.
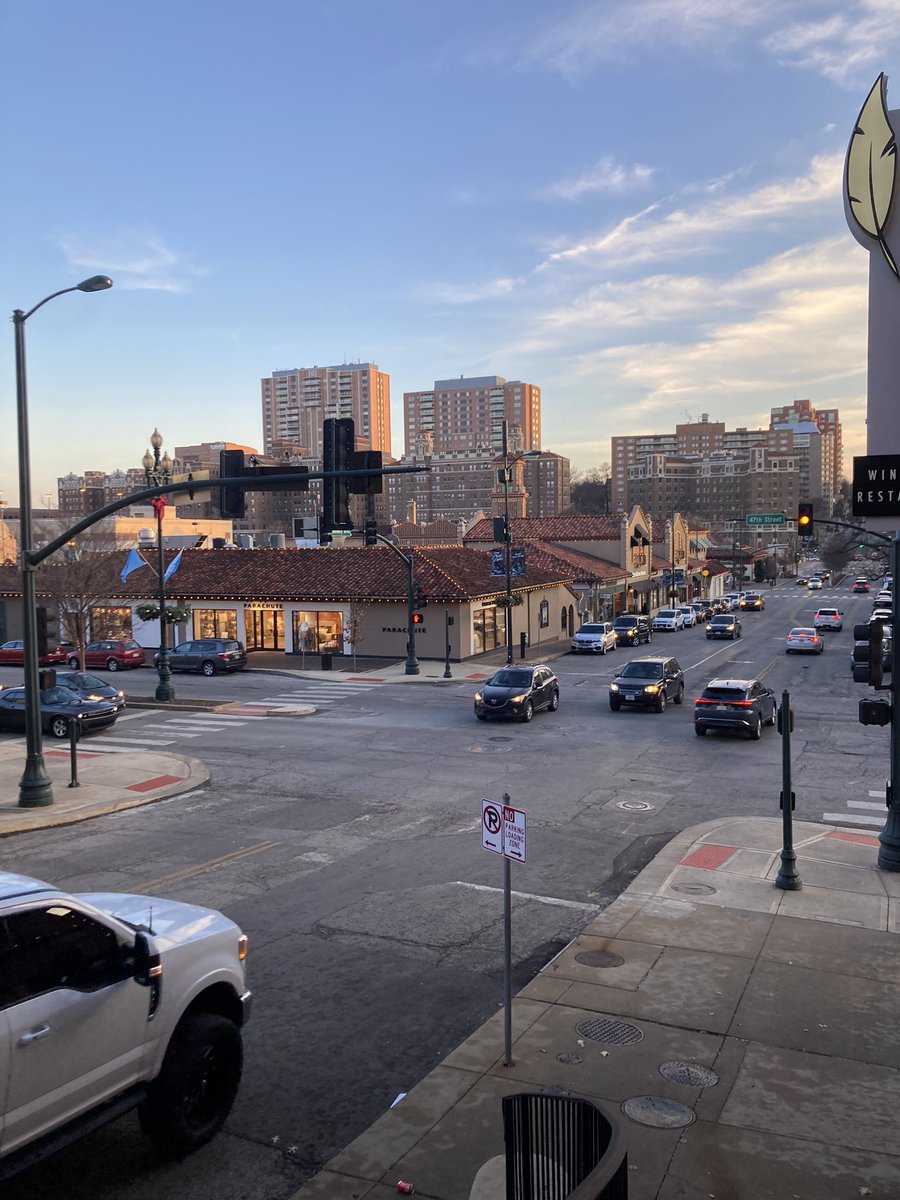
(173, 566)
(132, 562)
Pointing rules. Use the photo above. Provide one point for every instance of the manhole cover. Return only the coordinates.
(570, 1060)
(599, 958)
(658, 1112)
(694, 889)
(634, 805)
(689, 1073)
(613, 1033)
(500, 739)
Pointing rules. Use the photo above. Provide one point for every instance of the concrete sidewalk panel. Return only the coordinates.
(401, 1128)
(731, 891)
(671, 922)
(833, 1100)
(842, 877)
(483, 1048)
(821, 1012)
(605, 1071)
(329, 1186)
(870, 953)
(639, 959)
(836, 907)
(609, 922)
(742, 1164)
(685, 987)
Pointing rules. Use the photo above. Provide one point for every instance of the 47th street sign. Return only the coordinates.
(765, 519)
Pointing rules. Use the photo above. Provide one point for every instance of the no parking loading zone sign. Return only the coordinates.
(503, 830)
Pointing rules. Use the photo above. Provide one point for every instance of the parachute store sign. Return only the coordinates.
(871, 207)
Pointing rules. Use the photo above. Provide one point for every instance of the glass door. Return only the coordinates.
(265, 628)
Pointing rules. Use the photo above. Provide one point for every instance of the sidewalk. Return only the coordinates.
(107, 783)
(753, 1033)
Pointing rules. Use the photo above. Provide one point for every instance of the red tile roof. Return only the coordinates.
(605, 528)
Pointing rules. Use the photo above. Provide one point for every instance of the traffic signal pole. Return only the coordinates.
(889, 838)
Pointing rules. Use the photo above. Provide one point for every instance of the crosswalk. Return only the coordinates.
(323, 694)
(868, 814)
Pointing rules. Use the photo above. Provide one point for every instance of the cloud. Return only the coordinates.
(840, 47)
(637, 238)
(605, 177)
(452, 293)
(136, 261)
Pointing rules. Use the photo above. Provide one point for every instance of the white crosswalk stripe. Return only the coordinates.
(850, 819)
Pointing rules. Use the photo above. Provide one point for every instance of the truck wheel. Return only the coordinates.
(195, 1089)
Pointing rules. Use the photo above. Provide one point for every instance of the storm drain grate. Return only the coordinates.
(688, 1073)
(613, 1033)
(599, 958)
(694, 889)
(658, 1112)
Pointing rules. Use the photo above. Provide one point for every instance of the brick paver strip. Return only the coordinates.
(149, 784)
(68, 754)
(710, 857)
(861, 839)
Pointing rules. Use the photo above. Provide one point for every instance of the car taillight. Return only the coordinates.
(222, 654)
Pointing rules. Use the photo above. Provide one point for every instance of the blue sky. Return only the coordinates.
(636, 205)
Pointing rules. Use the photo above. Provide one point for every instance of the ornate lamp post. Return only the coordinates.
(158, 471)
(508, 464)
(35, 789)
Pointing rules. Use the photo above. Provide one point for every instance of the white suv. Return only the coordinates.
(668, 618)
(110, 1002)
(597, 637)
(829, 618)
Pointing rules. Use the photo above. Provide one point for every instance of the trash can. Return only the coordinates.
(559, 1146)
(326, 662)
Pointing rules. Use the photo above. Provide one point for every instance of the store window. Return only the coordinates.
(215, 623)
(110, 624)
(317, 632)
(489, 629)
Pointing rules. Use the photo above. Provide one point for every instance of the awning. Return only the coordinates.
(643, 586)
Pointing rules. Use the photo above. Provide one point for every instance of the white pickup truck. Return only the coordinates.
(110, 1002)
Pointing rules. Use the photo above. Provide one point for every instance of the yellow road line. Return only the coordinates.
(202, 868)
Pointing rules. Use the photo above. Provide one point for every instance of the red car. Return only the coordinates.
(111, 655)
(12, 654)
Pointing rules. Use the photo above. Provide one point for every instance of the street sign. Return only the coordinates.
(200, 495)
(514, 833)
(491, 827)
(765, 519)
(876, 485)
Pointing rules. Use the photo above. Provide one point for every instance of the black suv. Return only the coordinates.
(209, 656)
(632, 630)
(742, 704)
(648, 682)
(517, 691)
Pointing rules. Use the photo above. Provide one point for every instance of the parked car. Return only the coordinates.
(209, 656)
(114, 655)
(861, 585)
(596, 637)
(885, 596)
(12, 654)
(741, 704)
(752, 602)
(668, 618)
(59, 706)
(517, 692)
(632, 630)
(647, 683)
(803, 640)
(689, 614)
(90, 687)
(829, 618)
(814, 584)
(881, 612)
(704, 609)
(725, 626)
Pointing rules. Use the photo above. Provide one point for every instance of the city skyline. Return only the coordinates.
(637, 207)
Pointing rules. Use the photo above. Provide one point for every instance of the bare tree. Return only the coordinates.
(77, 578)
(354, 630)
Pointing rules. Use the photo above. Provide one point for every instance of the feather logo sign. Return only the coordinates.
(871, 169)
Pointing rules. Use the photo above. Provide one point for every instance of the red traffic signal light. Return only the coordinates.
(805, 518)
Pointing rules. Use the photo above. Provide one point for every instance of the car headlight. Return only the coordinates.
(520, 699)
(478, 697)
(652, 688)
(709, 628)
(613, 687)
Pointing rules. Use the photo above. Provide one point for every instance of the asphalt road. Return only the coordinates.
(348, 846)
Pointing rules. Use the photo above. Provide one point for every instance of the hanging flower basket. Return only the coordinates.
(174, 614)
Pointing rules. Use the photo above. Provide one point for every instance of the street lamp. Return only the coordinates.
(158, 472)
(508, 464)
(35, 788)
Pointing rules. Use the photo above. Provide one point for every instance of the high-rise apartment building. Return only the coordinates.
(295, 403)
(826, 453)
(80, 495)
(467, 413)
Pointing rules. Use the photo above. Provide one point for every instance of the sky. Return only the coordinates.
(636, 205)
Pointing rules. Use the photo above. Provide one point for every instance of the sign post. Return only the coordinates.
(503, 832)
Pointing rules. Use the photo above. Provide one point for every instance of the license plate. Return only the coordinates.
(629, 697)
(720, 708)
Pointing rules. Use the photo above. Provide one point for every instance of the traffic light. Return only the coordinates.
(366, 460)
(337, 455)
(325, 538)
(418, 618)
(868, 654)
(370, 534)
(231, 497)
(805, 520)
(421, 598)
